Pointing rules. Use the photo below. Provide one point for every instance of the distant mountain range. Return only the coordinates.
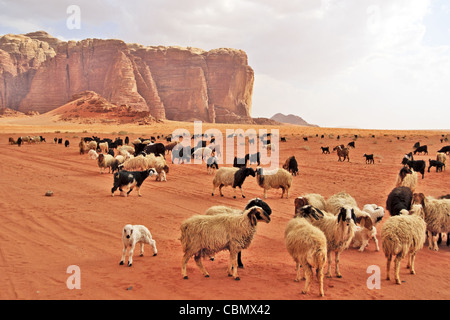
(291, 119)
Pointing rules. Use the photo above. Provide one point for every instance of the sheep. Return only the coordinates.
(291, 165)
(307, 245)
(314, 199)
(170, 146)
(325, 150)
(132, 235)
(441, 157)
(253, 158)
(403, 235)
(400, 198)
(437, 217)
(369, 158)
(234, 177)
(92, 145)
(421, 149)
(138, 163)
(105, 161)
(224, 209)
(205, 235)
(375, 212)
(83, 146)
(239, 162)
(103, 146)
(365, 232)
(276, 178)
(337, 201)
(159, 163)
(407, 178)
(339, 231)
(124, 150)
(202, 153)
(92, 154)
(118, 160)
(342, 152)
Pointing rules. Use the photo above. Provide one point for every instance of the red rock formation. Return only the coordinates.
(39, 72)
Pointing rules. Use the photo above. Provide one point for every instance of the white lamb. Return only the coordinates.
(132, 235)
(276, 178)
(92, 154)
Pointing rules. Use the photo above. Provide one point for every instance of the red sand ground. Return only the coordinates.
(81, 224)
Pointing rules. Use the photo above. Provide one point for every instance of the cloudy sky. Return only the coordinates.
(375, 64)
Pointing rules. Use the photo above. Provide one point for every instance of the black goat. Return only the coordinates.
(435, 163)
(417, 165)
(421, 149)
(325, 150)
(369, 158)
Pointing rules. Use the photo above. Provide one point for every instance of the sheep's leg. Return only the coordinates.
(198, 261)
(336, 257)
(435, 245)
(233, 265)
(220, 190)
(364, 245)
(240, 264)
(138, 191)
(319, 272)
(186, 258)
(299, 271)
(398, 258)
(388, 266)
(376, 243)
(265, 193)
(124, 251)
(141, 252)
(412, 258)
(213, 190)
(328, 274)
(282, 193)
(308, 276)
(130, 254)
(153, 244)
(287, 193)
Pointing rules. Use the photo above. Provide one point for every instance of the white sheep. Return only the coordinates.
(105, 161)
(375, 212)
(103, 146)
(403, 235)
(138, 163)
(441, 157)
(202, 153)
(204, 235)
(276, 178)
(92, 145)
(363, 233)
(132, 235)
(226, 176)
(124, 150)
(159, 163)
(437, 217)
(307, 245)
(92, 154)
(339, 231)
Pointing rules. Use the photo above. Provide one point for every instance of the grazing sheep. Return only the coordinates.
(132, 235)
(92, 154)
(437, 217)
(124, 150)
(400, 198)
(342, 152)
(339, 231)
(138, 163)
(407, 178)
(105, 161)
(369, 158)
(403, 235)
(307, 245)
(337, 201)
(205, 235)
(276, 178)
(291, 165)
(314, 199)
(435, 163)
(234, 177)
(228, 210)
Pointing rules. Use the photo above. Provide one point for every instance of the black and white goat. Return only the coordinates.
(131, 179)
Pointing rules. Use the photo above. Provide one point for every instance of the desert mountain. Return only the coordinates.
(291, 119)
(40, 73)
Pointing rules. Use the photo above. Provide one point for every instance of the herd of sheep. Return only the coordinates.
(318, 228)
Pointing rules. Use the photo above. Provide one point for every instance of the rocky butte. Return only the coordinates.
(40, 73)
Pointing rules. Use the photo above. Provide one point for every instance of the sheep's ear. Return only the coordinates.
(341, 213)
(320, 212)
(368, 224)
(252, 217)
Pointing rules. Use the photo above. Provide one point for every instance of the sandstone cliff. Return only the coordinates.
(39, 72)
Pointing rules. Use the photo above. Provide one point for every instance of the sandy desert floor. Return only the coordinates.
(81, 223)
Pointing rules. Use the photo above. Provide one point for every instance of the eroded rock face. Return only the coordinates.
(40, 73)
